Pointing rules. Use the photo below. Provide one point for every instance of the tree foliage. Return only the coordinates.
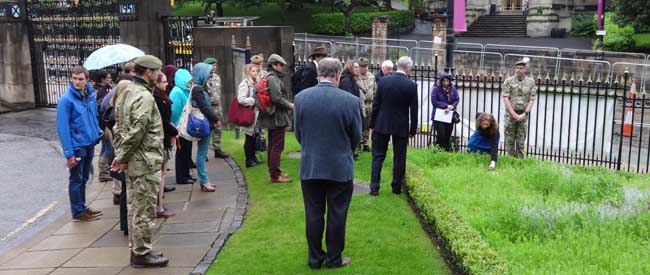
(347, 7)
(633, 12)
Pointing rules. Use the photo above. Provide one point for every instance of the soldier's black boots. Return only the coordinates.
(151, 259)
(220, 154)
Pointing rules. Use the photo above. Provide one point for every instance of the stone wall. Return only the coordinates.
(16, 85)
(541, 25)
(146, 32)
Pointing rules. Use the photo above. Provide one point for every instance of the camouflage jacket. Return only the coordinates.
(138, 130)
(368, 87)
(214, 89)
(520, 92)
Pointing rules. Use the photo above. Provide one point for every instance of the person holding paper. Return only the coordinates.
(444, 98)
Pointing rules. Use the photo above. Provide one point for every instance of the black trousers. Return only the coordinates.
(443, 134)
(379, 148)
(249, 147)
(124, 225)
(183, 160)
(336, 196)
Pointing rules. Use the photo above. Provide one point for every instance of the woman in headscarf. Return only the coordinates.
(200, 99)
(170, 73)
(179, 96)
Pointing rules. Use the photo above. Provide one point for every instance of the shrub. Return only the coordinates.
(360, 22)
(584, 26)
(617, 38)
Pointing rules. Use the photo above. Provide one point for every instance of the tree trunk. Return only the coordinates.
(348, 19)
(220, 9)
(388, 4)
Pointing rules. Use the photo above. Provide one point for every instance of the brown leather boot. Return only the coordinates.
(148, 260)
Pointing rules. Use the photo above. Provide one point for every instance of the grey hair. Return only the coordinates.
(387, 64)
(329, 67)
(404, 62)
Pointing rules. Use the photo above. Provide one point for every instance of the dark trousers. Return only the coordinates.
(336, 196)
(79, 175)
(274, 151)
(443, 134)
(379, 148)
(183, 160)
(249, 148)
(124, 225)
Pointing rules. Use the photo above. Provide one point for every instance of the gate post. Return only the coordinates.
(379, 35)
(141, 25)
(16, 79)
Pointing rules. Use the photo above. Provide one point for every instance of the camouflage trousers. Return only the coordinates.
(142, 196)
(515, 138)
(365, 134)
(216, 135)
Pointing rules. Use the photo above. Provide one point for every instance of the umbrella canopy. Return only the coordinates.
(110, 55)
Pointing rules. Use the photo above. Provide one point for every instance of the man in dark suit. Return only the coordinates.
(396, 96)
(327, 124)
(308, 76)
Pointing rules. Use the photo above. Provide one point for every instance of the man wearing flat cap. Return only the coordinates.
(214, 90)
(308, 76)
(368, 87)
(138, 140)
(519, 92)
(276, 117)
(258, 61)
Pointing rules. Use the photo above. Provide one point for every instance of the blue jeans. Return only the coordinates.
(107, 148)
(201, 154)
(78, 178)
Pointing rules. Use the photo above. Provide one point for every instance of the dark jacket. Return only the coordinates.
(307, 79)
(396, 96)
(327, 123)
(379, 75)
(348, 84)
(278, 115)
(482, 142)
(165, 108)
(76, 120)
(201, 100)
(440, 98)
(102, 91)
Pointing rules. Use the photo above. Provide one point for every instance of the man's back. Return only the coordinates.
(328, 126)
(396, 95)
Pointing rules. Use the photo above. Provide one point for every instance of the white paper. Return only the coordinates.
(437, 40)
(442, 117)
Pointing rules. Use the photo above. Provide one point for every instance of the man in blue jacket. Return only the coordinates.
(79, 132)
(328, 127)
(395, 100)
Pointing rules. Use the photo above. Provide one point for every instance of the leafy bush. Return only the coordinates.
(617, 38)
(360, 22)
(584, 25)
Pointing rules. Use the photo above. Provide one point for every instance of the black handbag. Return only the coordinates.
(455, 118)
(260, 143)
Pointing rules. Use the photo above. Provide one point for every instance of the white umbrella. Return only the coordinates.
(110, 55)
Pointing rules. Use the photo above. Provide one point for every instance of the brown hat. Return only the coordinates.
(149, 61)
(257, 59)
(274, 59)
(319, 51)
(363, 62)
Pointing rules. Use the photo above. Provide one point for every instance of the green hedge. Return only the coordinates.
(471, 253)
(361, 22)
(617, 38)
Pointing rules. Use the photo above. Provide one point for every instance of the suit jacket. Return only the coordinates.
(308, 78)
(327, 123)
(396, 96)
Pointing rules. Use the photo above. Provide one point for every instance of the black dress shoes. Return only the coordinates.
(148, 260)
(220, 154)
(251, 163)
(169, 188)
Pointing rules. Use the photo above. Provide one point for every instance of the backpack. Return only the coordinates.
(262, 96)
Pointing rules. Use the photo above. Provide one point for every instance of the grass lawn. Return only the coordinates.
(641, 40)
(383, 235)
(546, 218)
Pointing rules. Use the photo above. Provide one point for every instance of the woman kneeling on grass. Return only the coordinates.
(486, 138)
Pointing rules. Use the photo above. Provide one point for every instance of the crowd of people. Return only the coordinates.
(152, 114)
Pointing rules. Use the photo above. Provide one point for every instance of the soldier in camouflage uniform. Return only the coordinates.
(214, 90)
(368, 87)
(138, 140)
(519, 93)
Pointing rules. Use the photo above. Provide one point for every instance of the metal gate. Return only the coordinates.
(62, 35)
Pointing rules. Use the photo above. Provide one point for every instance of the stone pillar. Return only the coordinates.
(16, 79)
(439, 32)
(379, 35)
(145, 30)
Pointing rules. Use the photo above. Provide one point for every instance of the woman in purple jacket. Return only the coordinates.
(444, 96)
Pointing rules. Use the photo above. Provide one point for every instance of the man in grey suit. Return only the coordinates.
(328, 127)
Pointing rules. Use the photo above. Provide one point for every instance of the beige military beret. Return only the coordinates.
(257, 59)
(274, 58)
(149, 61)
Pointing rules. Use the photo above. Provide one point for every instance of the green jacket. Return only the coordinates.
(138, 130)
(278, 116)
